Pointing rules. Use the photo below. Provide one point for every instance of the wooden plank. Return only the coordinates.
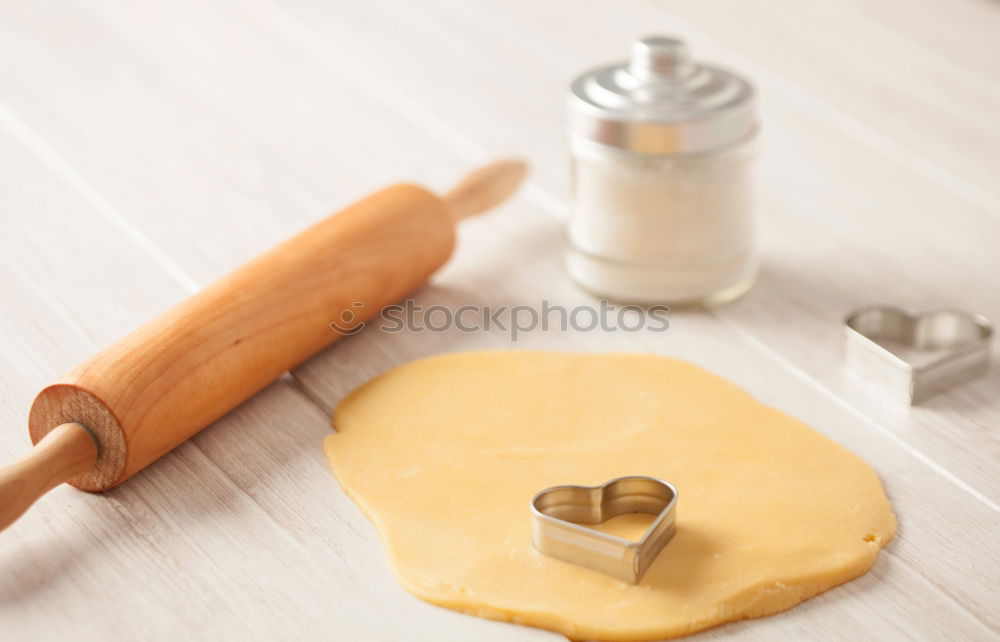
(915, 78)
(204, 164)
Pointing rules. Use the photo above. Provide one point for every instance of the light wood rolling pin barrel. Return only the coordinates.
(131, 403)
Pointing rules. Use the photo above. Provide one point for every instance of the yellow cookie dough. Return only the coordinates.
(444, 454)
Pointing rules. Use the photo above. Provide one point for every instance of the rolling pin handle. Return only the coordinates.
(485, 188)
(67, 452)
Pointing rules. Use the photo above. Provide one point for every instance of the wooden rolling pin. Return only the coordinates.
(116, 413)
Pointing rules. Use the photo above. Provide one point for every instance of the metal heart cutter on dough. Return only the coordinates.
(559, 515)
(915, 355)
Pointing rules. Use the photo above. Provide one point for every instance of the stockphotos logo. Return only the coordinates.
(514, 320)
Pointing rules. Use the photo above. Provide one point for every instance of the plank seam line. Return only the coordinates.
(920, 577)
(23, 134)
(201, 457)
(306, 393)
(810, 103)
(312, 41)
(297, 32)
(125, 512)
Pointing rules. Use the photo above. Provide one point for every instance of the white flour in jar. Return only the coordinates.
(662, 180)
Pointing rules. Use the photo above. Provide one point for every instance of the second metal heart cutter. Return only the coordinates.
(948, 347)
(559, 515)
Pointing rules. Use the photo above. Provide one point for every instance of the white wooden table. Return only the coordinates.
(148, 147)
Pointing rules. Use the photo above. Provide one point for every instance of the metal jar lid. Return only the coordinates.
(661, 102)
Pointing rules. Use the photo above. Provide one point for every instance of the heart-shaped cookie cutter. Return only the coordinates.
(559, 515)
(957, 342)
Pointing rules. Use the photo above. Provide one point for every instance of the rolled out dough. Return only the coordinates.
(443, 455)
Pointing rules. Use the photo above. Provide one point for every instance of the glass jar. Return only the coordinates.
(662, 155)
